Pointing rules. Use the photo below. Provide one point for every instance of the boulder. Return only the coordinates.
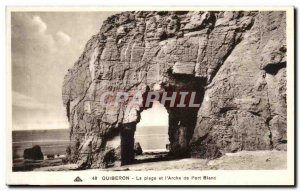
(34, 153)
(138, 149)
(50, 156)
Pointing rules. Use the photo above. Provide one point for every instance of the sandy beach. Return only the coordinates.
(244, 160)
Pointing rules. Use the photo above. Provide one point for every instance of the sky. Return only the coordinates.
(155, 116)
(44, 46)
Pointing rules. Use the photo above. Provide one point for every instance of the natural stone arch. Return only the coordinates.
(182, 120)
(224, 56)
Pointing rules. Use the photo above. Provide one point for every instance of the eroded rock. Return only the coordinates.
(138, 149)
(34, 153)
(234, 61)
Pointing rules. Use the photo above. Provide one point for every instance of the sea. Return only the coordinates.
(55, 142)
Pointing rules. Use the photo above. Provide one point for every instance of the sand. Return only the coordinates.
(244, 160)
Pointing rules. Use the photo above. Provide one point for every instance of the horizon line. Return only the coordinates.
(68, 128)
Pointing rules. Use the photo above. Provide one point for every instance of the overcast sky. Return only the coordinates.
(44, 46)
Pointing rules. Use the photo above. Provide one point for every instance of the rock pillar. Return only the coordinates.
(127, 143)
(181, 127)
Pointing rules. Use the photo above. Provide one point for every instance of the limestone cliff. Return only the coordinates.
(235, 61)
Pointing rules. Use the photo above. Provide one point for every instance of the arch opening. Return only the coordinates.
(174, 123)
(152, 130)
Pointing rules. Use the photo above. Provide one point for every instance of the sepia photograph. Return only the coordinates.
(150, 96)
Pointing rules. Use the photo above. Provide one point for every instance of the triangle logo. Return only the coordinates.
(77, 179)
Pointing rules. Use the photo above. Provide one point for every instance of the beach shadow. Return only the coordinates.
(149, 157)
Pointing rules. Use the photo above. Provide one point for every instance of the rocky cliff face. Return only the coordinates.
(234, 61)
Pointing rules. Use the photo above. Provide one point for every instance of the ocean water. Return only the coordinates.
(56, 141)
(151, 138)
(51, 141)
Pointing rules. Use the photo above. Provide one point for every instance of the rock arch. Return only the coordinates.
(223, 56)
